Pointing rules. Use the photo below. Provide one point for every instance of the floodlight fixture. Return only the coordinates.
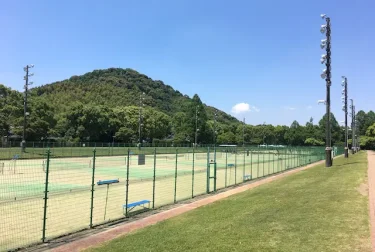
(323, 16)
(323, 28)
(323, 43)
(323, 59)
(321, 102)
(324, 74)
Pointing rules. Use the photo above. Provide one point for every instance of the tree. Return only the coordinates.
(361, 117)
(11, 110)
(204, 135)
(41, 120)
(370, 132)
(88, 123)
(336, 134)
(294, 135)
(313, 142)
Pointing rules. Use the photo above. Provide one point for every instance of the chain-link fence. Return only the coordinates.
(54, 195)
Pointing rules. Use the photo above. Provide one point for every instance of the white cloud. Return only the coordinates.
(255, 109)
(243, 107)
(309, 107)
(289, 108)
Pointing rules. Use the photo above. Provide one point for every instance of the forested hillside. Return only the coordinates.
(104, 105)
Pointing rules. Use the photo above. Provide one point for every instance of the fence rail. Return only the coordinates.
(48, 194)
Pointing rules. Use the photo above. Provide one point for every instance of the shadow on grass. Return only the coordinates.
(351, 163)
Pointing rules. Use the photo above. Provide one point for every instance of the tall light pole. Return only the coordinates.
(25, 113)
(352, 124)
(215, 131)
(196, 125)
(326, 58)
(345, 109)
(358, 135)
(140, 122)
(264, 133)
(355, 130)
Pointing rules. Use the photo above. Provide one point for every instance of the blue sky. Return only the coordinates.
(262, 53)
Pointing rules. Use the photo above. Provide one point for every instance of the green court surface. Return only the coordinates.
(74, 200)
(14, 191)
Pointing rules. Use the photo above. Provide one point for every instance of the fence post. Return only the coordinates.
(127, 185)
(192, 176)
(92, 186)
(286, 155)
(258, 164)
(175, 179)
(263, 164)
(251, 164)
(153, 182)
(208, 171)
(235, 166)
(46, 197)
(226, 166)
(244, 162)
(215, 167)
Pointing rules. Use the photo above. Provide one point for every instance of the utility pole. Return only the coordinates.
(25, 113)
(326, 43)
(345, 109)
(140, 123)
(196, 125)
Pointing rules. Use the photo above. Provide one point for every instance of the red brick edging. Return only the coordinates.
(99, 238)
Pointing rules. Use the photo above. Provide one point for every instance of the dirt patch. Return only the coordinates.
(371, 185)
(363, 189)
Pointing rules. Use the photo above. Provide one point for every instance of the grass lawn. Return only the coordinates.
(319, 209)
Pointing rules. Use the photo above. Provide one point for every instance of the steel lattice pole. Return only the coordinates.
(329, 160)
(345, 82)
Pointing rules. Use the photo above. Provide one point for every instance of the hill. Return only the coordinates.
(116, 87)
(104, 103)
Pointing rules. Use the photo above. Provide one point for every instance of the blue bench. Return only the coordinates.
(107, 182)
(230, 165)
(247, 177)
(131, 206)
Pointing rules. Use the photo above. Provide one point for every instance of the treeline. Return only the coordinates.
(103, 106)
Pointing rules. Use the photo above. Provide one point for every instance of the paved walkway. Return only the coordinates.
(97, 239)
(371, 188)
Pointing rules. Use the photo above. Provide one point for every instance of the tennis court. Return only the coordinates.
(75, 201)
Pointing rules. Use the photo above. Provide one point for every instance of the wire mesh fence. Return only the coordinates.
(54, 195)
